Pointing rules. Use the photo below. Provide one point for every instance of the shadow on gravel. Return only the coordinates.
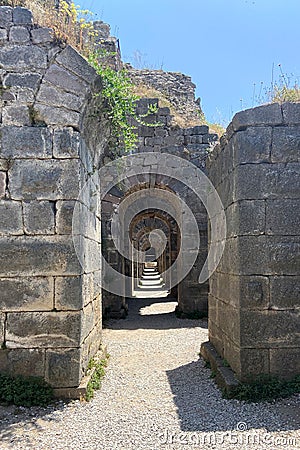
(140, 316)
(200, 405)
(15, 421)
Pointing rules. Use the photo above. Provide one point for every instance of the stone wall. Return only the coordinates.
(254, 294)
(50, 308)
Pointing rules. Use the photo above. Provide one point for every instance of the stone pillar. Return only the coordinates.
(254, 301)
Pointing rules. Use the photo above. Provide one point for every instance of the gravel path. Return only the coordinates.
(157, 394)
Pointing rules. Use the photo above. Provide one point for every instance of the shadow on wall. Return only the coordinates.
(201, 408)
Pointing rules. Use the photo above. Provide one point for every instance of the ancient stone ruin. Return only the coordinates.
(52, 145)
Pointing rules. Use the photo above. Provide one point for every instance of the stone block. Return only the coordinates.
(252, 145)
(286, 144)
(68, 293)
(2, 328)
(2, 184)
(23, 57)
(11, 222)
(66, 143)
(62, 78)
(73, 61)
(63, 367)
(285, 362)
(6, 16)
(19, 35)
(50, 96)
(284, 292)
(269, 329)
(64, 216)
(44, 180)
(16, 116)
(27, 362)
(261, 115)
(283, 255)
(57, 116)
(229, 321)
(23, 80)
(22, 16)
(26, 142)
(291, 113)
(283, 217)
(3, 35)
(26, 256)
(26, 294)
(246, 217)
(39, 217)
(259, 181)
(200, 129)
(253, 362)
(145, 131)
(42, 35)
(43, 329)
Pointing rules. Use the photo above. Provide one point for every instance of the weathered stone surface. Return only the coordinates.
(246, 217)
(10, 218)
(57, 116)
(286, 144)
(39, 217)
(2, 184)
(5, 16)
(26, 294)
(291, 113)
(66, 143)
(3, 35)
(22, 16)
(252, 145)
(26, 256)
(44, 180)
(19, 35)
(23, 57)
(283, 216)
(64, 216)
(254, 362)
(285, 363)
(63, 367)
(27, 362)
(42, 35)
(265, 329)
(284, 292)
(284, 255)
(51, 96)
(43, 329)
(23, 80)
(73, 61)
(16, 115)
(62, 78)
(26, 142)
(68, 293)
(261, 115)
(2, 328)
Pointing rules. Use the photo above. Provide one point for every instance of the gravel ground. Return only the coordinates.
(157, 394)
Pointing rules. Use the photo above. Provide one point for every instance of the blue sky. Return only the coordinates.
(224, 45)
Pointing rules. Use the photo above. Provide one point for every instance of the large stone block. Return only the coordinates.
(269, 329)
(63, 368)
(27, 362)
(283, 217)
(22, 16)
(253, 362)
(11, 222)
(252, 145)
(66, 80)
(57, 116)
(285, 362)
(26, 294)
(23, 57)
(23, 80)
(246, 217)
(3, 35)
(26, 256)
(68, 293)
(284, 255)
(286, 144)
(51, 96)
(229, 321)
(39, 217)
(43, 329)
(5, 16)
(26, 142)
(73, 61)
(291, 113)
(285, 292)
(64, 216)
(42, 35)
(44, 180)
(2, 184)
(16, 115)
(19, 35)
(261, 115)
(66, 143)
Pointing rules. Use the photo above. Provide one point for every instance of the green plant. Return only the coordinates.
(97, 370)
(25, 391)
(265, 388)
